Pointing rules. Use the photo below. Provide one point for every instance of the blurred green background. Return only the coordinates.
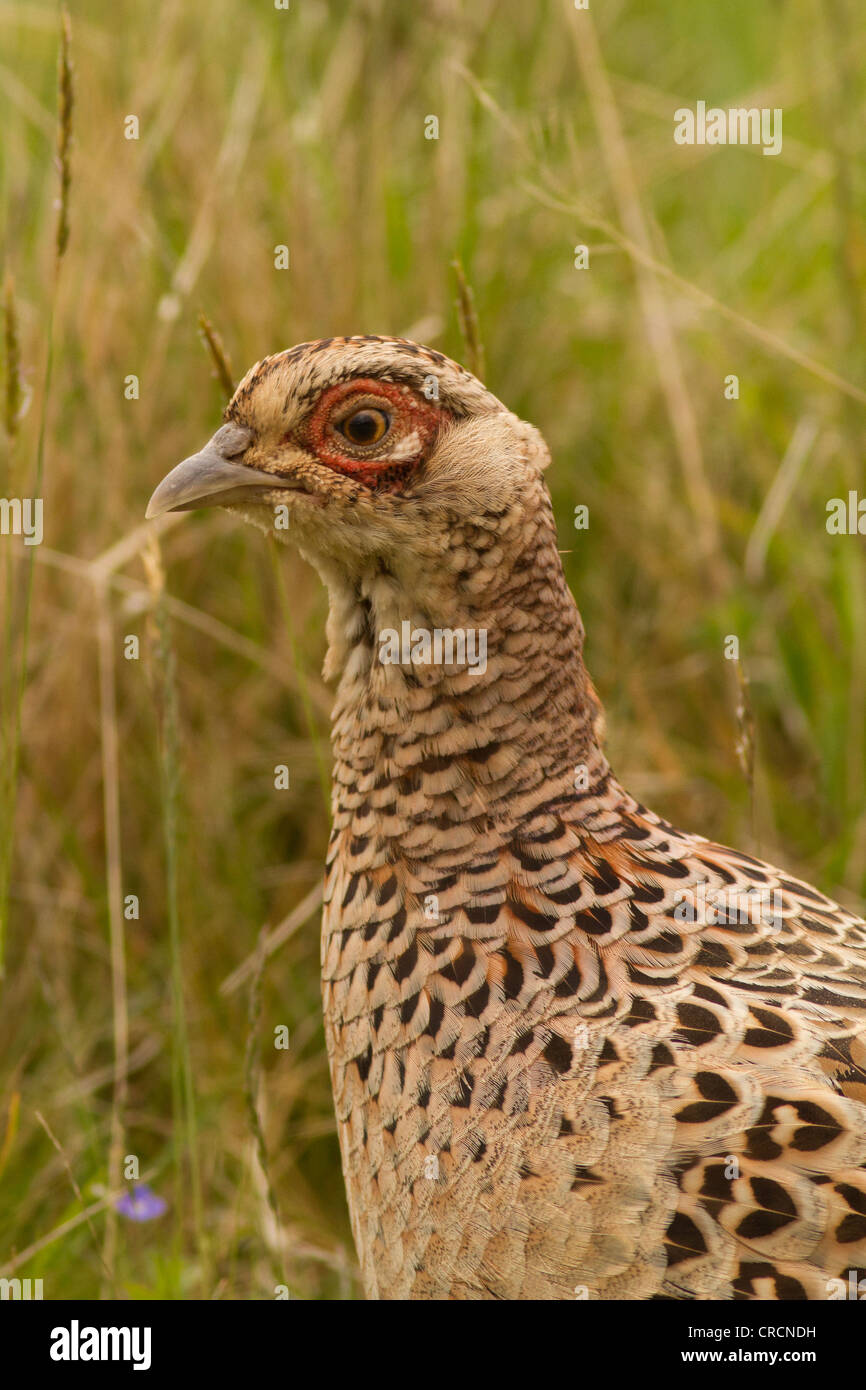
(153, 776)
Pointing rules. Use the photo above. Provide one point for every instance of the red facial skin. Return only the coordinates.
(409, 414)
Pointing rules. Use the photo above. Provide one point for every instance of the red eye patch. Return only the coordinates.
(414, 422)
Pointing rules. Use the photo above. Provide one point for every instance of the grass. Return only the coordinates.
(153, 776)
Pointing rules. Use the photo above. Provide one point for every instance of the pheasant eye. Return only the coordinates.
(365, 426)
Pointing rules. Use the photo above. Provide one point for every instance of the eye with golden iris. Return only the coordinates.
(366, 426)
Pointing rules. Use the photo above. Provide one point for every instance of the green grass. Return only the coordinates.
(258, 128)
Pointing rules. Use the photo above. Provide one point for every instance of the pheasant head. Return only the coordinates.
(373, 449)
(419, 498)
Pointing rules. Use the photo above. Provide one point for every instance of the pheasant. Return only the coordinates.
(575, 1051)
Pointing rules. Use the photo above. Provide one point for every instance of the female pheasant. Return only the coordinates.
(574, 1050)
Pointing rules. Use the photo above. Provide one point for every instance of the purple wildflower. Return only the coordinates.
(141, 1204)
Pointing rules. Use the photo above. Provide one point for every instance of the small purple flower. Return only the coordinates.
(141, 1204)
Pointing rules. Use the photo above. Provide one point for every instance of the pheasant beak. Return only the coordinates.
(212, 477)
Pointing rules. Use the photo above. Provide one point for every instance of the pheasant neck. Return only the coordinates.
(464, 701)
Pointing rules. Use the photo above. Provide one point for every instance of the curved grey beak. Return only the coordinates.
(211, 477)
